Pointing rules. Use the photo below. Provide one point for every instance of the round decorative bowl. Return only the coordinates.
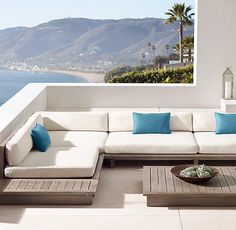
(194, 180)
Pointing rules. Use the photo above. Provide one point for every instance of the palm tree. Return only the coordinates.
(176, 47)
(188, 44)
(182, 14)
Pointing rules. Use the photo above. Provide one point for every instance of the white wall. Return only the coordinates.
(216, 48)
(215, 33)
(78, 95)
(14, 112)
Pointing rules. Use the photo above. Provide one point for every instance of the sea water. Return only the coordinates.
(13, 81)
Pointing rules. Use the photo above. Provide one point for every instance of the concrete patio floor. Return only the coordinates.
(119, 204)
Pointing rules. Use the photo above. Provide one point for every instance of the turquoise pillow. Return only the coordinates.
(225, 123)
(40, 137)
(145, 123)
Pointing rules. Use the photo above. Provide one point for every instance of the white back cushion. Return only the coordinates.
(120, 121)
(181, 121)
(83, 121)
(123, 121)
(105, 109)
(204, 122)
(21, 143)
(189, 110)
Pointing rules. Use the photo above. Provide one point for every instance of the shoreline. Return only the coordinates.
(89, 76)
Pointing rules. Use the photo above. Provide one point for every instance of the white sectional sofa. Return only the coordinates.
(79, 138)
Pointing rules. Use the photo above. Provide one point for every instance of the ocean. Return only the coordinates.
(13, 81)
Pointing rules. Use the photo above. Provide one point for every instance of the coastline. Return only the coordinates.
(89, 76)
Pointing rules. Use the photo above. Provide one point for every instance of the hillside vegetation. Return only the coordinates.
(175, 75)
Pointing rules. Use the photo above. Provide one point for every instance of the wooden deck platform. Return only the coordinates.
(164, 189)
(48, 191)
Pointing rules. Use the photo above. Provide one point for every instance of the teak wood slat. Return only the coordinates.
(170, 181)
(154, 177)
(38, 185)
(177, 184)
(164, 189)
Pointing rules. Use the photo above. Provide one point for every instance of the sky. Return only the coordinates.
(33, 12)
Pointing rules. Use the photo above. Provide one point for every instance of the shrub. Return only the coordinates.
(174, 75)
(125, 69)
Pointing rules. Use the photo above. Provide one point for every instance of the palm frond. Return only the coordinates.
(179, 12)
(187, 10)
(170, 20)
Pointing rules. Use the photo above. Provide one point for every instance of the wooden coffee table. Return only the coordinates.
(164, 189)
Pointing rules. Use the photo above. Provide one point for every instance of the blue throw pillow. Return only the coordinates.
(40, 137)
(145, 123)
(225, 123)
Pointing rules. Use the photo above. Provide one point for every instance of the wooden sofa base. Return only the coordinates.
(195, 158)
(52, 191)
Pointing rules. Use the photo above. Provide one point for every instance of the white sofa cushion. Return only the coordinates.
(211, 143)
(180, 121)
(204, 122)
(57, 162)
(84, 121)
(123, 120)
(21, 143)
(120, 121)
(78, 138)
(175, 143)
(97, 109)
(189, 110)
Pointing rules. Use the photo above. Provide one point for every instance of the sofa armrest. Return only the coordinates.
(3, 161)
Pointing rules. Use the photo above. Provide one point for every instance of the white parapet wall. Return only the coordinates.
(14, 112)
(113, 96)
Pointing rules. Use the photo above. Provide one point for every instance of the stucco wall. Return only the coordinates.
(15, 111)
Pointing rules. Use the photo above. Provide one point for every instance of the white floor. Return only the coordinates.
(119, 204)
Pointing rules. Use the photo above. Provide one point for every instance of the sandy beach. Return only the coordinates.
(90, 77)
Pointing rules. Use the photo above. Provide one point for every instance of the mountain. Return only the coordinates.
(86, 43)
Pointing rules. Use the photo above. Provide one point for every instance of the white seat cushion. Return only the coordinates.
(175, 143)
(78, 138)
(57, 162)
(210, 143)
